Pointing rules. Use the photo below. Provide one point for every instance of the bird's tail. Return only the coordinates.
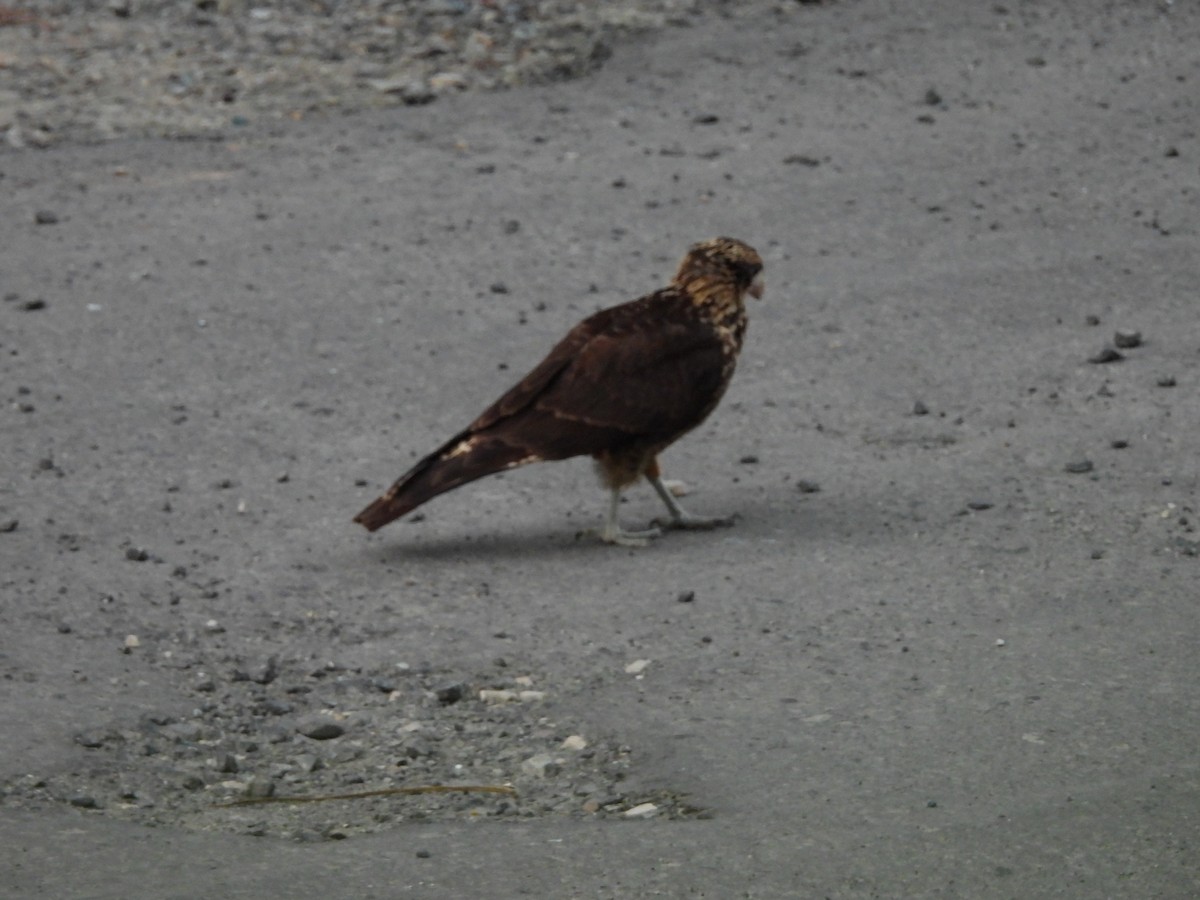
(461, 459)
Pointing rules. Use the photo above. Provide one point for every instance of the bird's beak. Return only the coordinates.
(756, 287)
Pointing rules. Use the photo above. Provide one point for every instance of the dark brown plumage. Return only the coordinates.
(621, 386)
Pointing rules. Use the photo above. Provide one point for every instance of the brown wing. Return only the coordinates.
(647, 367)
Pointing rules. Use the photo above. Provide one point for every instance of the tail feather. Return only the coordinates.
(460, 460)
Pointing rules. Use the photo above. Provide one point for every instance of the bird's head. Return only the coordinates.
(723, 259)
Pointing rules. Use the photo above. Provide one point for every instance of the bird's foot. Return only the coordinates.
(699, 523)
(623, 538)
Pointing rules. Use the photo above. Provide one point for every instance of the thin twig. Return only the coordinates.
(382, 792)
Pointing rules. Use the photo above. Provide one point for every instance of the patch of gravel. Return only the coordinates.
(277, 730)
(90, 70)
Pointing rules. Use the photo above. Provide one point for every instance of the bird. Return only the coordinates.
(621, 386)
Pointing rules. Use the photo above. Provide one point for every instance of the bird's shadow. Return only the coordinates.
(754, 518)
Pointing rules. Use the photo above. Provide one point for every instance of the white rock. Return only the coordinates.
(487, 695)
(574, 742)
(637, 667)
(641, 811)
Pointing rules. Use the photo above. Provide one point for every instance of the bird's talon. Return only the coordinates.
(623, 538)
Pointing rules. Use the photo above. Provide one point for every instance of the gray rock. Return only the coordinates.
(320, 728)
(541, 765)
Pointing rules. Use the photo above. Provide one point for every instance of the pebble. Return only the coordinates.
(686, 596)
(258, 788)
(804, 486)
(84, 801)
(136, 554)
(451, 693)
(91, 739)
(1127, 338)
(920, 409)
(1106, 355)
(1166, 381)
(45, 217)
(637, 667)
(227, 763)
(308, 763)
(574, 742)
(320, 728)
(1079, 466)
(541, 765)
(497, 695)
(979, 505)
(641, 811)
(183, 732)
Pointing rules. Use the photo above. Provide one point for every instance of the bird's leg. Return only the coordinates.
(612, 533)
(681, 518)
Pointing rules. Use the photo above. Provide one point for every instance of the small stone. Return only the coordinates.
(132, 642)
(440, 82)
(308, 763)
(259, 788)
(320, 728)
(498, 287)
(45, 217)
(136, 554)
(423, 854)
(192, 783)
(33, 305)
(489, 695)
(574, 742)
(84, 801)
(1106, 355)
(933, 98)
(706, 119)
(91, 739)
(541, 765)
(1166, 381)
(641, 811)
(637, 667)
(1079, 466)
(686, 596)
(183, 732)
(451, 693)
(1000, 642)
(749, 460)
(8, 526)
(805, 486)
(227, 763)
(1118, 444)
(979, 505)
(1127, 338)
(267, 672)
